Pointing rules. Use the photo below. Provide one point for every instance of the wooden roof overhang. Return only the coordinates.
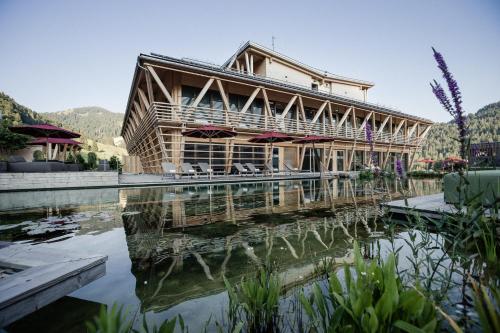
(191, 67)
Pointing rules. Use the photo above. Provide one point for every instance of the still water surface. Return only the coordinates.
(168, 247)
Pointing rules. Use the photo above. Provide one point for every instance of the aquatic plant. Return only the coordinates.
(487, 306)
(373, 300)
(255, 302)
(455, 109)
(114, 321)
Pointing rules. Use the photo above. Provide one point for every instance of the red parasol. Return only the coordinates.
(60, 141)
(271, 137)
(44, 130)
(209, 132)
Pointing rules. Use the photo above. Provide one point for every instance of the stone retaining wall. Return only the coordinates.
(54, 180)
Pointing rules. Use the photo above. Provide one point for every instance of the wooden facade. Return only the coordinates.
(170, 95)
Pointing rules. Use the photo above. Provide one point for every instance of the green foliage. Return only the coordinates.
(366, 175)
(10, 141)
(114, 163)
(16, 114)
(442, 141)
(38, 155)
(113, 321)
(91, 161)
(487, 307)
(80, 159)
(373, 300)
(425, 174)
(258, 299)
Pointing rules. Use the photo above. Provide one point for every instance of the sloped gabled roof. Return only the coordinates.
(318, 72)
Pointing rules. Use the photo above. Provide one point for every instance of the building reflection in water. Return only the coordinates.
(182, 240)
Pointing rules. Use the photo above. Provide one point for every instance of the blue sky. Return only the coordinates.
(61, 54)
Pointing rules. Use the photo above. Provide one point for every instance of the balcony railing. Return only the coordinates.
(185, 115)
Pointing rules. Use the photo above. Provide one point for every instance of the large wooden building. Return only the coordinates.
(255, 91)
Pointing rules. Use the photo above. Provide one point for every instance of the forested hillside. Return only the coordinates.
(92, 122)
(484, 126)
(16, 114)
(97, 126)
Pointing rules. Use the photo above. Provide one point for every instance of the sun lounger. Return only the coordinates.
(253, 169)
(205, 170)
(168, 169)
(241, 170)
(188, 169)
(270, 169)
(290, 168)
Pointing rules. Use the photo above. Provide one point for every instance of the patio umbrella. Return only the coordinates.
(209, 132)
(453, 160)
(315, 139)
(271, 137)
(57, 141)
(44, 130)
(426, 161)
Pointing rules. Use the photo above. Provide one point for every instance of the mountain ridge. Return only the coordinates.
(484, 126)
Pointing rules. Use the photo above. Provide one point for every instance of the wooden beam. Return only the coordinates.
(143, 98)
(289, 106)
(149, 87)
(397, 129)
(412, 130)
(380, 130)
(202, 92)
(161, 85)
(247, 62)
(225, 101)
(424, 134)
(138, 109)
(301, 108)
(344, 117)
(365, 121)
(319, 112)
(250, 100)
(266, 103)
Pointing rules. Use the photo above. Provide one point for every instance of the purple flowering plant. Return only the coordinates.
(399, 168)
(369, 139)
(454, 109)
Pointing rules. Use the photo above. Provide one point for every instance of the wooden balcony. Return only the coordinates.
(186, 116)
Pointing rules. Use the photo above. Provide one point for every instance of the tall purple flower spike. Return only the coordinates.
(399, 168)
(369, 139)
(454, 109)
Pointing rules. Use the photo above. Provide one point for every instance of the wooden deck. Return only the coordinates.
(432, 206)
(138, 180)
(34, 276)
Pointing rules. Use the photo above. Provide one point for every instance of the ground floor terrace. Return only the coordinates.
(170, 145)
(170, 96)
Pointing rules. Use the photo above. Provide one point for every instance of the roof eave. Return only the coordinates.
(270, 82)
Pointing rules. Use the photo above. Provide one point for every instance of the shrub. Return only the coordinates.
(114, 163)
(10, 141)
(80, 160)
(38, 155)
(91, 161)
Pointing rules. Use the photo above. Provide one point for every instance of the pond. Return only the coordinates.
(169, 247)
